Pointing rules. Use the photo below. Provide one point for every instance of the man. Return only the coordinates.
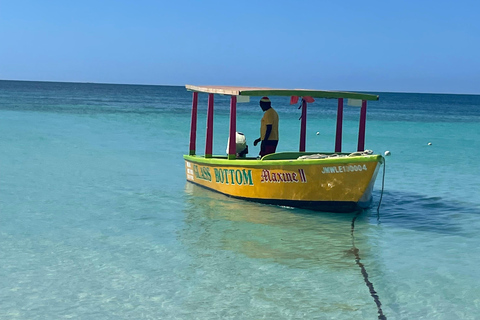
(268, 128)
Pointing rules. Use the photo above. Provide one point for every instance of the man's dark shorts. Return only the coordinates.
(268, 146)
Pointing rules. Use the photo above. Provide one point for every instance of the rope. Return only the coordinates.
(373, 293)
(383, 187)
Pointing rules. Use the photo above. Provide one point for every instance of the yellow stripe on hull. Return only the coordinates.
(343, 180)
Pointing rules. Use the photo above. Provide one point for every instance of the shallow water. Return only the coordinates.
(97, 220)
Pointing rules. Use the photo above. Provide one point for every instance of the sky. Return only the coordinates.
(379, 46)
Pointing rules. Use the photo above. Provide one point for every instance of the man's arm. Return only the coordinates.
(267, 135)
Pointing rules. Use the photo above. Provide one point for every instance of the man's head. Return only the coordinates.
(265, 103)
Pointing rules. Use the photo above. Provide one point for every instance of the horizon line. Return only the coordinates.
(176, 85)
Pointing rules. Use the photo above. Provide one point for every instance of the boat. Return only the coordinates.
(332, 181)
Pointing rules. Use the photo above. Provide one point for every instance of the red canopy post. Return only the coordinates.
(193, 124)
(361, 127)
(338, 136)
(209, 135)
(303, 126)
(232, 140)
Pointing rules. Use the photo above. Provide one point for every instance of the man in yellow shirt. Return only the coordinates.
(268, 128)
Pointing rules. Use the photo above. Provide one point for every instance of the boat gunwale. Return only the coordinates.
(223, 161)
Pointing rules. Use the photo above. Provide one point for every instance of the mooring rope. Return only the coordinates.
(383, 187)
(373, 293)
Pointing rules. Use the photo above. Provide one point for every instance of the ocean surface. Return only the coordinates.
(97, 220)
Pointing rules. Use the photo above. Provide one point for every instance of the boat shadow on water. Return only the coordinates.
(422, 213)
(304, 239)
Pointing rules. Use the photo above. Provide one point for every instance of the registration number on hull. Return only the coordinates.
(341, 169)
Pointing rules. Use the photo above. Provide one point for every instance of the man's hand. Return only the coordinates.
(257, 141)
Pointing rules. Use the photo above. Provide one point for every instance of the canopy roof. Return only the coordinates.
(254, 91)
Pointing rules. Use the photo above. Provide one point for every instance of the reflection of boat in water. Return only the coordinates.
(328, 181)
(299, 239)
(268, 232)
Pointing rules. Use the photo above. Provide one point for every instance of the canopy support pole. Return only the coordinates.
(193, 124)
(232, 140)
(209, 135)
(361, 128)
(303, 126)
(338, 136)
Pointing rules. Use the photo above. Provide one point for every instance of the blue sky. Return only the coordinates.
(401, 46)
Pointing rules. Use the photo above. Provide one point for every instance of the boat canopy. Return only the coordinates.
(237, 92)
(258, 92)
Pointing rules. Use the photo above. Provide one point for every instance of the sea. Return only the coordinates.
(97, 220)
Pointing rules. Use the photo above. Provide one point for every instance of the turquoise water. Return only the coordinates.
(98, 222)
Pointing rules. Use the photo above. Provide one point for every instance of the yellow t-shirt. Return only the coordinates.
(269, 117)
